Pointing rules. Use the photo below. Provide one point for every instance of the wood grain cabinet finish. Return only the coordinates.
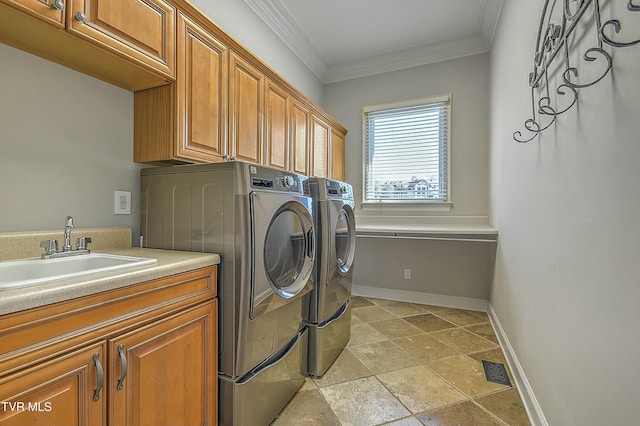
(327, 149)
(186, 121)
(129, 43)
(277, 141)
(143, 354)
(141, 30)
(166, 373)
(320, 132)
(337, 154)
(68, 390)
(300, 119)
(246, 105)
(49, 11)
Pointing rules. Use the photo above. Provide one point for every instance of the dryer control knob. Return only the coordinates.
(288, 181)
(343, 189)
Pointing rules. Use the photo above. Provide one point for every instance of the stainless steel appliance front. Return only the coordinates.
(328, 306)
(259, 220)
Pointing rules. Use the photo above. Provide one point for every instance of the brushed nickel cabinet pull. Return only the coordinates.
(57, 5)
(123, 366)
(100, 376)
(81, 17)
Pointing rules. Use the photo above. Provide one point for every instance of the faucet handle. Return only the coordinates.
(50, 247)
(68, 222)
(81, 243)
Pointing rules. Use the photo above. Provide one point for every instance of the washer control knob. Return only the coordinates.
(343, 189)
(288, 181)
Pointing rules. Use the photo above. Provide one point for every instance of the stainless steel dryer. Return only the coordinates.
(328, 306)
(260, 222)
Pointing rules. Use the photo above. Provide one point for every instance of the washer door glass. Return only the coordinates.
(285, 252)
(345, 239)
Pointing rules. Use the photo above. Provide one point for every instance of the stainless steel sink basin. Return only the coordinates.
(26, 272)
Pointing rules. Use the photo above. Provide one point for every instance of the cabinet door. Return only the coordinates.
(299, 138)
(139, 29)
(51, 11)
(66, 391)
(319, 147)
(167, 373)
(201, 93)
(246, 100)
(337, 155)
(276, 146)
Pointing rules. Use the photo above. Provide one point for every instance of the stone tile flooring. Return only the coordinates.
(410, 365)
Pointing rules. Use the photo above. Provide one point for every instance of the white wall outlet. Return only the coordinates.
(123, 202)
(407, 274)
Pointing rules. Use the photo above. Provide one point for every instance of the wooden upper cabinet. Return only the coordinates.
(246, 104)
(50, 11)
(186, 121)
(70, 391)
(276, 122)
(142, 30)
(337, 154)
(300, 114)
(129, 43)
(320, 132)
(201, 94)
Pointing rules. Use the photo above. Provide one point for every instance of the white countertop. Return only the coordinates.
(169, 263)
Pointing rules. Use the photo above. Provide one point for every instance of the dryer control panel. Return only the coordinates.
(277, 180)
(337, 189)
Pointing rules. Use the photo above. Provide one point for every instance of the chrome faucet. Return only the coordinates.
(51, 246)
(67, 233)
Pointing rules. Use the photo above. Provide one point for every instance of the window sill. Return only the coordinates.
(391, 206)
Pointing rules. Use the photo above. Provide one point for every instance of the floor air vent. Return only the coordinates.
(496, 373)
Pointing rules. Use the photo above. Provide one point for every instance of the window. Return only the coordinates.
(406, 151)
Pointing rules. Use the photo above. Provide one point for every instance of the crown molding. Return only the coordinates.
(278, 18)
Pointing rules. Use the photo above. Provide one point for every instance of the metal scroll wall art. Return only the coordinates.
(561, 23)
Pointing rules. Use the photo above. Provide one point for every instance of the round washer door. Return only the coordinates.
(283, 248)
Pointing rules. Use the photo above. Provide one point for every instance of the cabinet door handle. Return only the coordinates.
(57, 5)
(81, 17)
(100, 376)
(123, 366)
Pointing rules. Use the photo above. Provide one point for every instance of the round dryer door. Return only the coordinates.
(345, 239)
(284, 250)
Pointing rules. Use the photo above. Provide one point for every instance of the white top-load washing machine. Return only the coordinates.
(260, 222)
(328, 306)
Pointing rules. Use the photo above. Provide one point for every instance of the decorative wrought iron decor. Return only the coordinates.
(562, 22)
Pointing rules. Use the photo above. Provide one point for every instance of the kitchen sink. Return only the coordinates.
(26, 272)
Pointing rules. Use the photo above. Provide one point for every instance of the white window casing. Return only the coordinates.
(406, 154)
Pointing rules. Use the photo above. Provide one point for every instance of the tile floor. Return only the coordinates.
(408, 364)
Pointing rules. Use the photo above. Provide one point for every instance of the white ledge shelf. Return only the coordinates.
(445, 232)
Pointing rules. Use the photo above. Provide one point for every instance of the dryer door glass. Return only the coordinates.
(345, 239)
(289, 250)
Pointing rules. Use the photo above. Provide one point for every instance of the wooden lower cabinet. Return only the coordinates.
(166, 373)
(154, 364)
(64, 391)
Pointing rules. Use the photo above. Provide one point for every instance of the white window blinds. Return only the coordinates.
(407, 151)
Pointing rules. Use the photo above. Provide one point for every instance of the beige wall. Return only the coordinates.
(439, 268)
(467, 79)
(566, 288)
(67, 143)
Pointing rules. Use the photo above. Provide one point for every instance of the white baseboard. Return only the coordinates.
(536, 416)
(419, 297)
